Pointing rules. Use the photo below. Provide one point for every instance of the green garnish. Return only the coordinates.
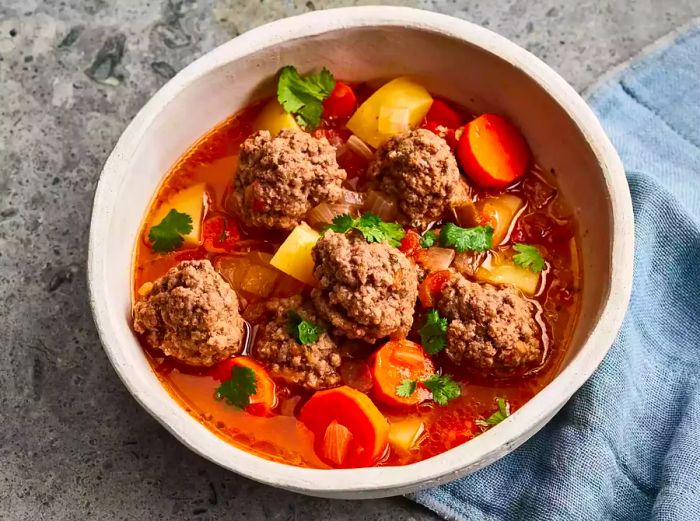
(528, 257)
(443, 387)
(167, 234)
(372, 228)
(501, 414)
(433, 334)
(429, 239)
(238, 390)
(303, 95)
(406, 388)
(479, 238)
(303, 331)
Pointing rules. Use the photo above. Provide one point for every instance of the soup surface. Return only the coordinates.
(483, 268)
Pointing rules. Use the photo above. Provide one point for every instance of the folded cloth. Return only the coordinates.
(627, 445)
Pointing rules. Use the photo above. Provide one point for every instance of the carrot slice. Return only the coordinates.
(395, 362)
(431, 286)
(367, 437)
(492, 151)
(263, 402)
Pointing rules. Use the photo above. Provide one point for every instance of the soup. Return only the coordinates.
(346, 276)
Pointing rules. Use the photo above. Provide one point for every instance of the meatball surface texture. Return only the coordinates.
(417, 169)
(366, 290)
(279, 179)
(314, 366)
(191, 313)
(490, 328)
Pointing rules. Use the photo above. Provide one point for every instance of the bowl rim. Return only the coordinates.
(484, 449)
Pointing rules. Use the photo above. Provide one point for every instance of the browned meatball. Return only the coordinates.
(313, 366)
(281, 178)
(419, 170)
(490, 328)
(191, 313)
(366, 290)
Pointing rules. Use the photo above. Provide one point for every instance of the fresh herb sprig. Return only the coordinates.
(372, 228)
(479, 238)
(433, 333)
(501, 414)
(303, 331)
(303, 95)
(239, 388)
(429, 239)
(528, 257)
(442, 387)
(168, 234)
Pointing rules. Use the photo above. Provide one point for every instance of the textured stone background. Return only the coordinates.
(73, 443)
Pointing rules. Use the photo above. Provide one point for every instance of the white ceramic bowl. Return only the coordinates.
(452, 58)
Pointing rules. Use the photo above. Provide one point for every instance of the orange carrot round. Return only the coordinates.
(394, 362)
(349, 430)
(263, 402)
(492, 151)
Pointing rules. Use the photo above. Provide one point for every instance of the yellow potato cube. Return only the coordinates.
(390, 101)
(294, 255)
(404, 434)
(498, 270)
(273, 118)
(194, 202)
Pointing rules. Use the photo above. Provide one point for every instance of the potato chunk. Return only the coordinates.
(273, 118)
(194, 202)
(294, 255)
(399, 105)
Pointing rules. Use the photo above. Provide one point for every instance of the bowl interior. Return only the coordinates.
(241, 71)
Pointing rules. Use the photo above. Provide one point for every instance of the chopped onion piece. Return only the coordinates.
(323, 214)
(358, 146)
(353, 198)
(393, 120)
(436, 259)
(336, 442)
(380, 205)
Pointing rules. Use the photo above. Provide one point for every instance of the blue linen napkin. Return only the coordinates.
(627, 445)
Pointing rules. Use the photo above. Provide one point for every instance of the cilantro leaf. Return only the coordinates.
(429, 239)
(443, 387)
(433, 334)
(372, 228)
(501, 414)
(528, 257)
(301, 330)
(406, 388)
(238, 390)
(479, 238)
(167, 234)
(303, 95)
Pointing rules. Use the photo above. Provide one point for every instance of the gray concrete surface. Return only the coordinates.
(73, 443)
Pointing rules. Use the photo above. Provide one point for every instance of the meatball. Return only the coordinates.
(313, 366)
(191, 313)
(418, 169)
(281, 178)
(366, 290)
(490, 328)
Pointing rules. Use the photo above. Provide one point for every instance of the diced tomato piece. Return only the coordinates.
(431, 287)
(366, 439)
(442, 114)
(395, 362)
(341, 103)
(220, 234)
(410, 244)
(492, 151)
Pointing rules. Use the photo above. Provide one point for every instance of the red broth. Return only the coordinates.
(545, 221)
